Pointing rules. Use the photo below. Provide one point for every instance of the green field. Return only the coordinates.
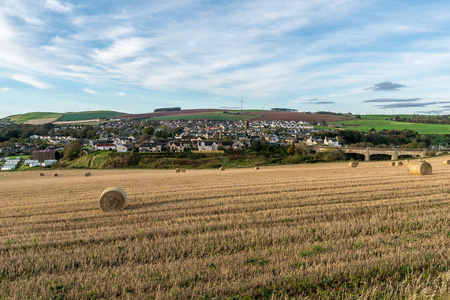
(23, 118)
(381, 122)
(88, 115)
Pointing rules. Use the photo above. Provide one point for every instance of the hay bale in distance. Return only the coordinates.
(419, 168)
(178, 170)
(392, 163)
(88, 174)
(182, 170)
(42, 174)
(399, 163)
(353, 164)
(55, 175)
(222, 169)
(446, 162)
(113, 199)
(256, 168)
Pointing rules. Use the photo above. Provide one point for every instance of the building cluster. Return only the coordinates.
(171, 136)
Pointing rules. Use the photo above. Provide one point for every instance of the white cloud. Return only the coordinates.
(89, 91)
(121, 94)
(5, 89)
(122, 48)
(59, 6)
(31, 81)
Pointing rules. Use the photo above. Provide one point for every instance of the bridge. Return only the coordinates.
(393, 152)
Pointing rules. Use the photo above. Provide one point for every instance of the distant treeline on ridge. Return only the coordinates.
(167, 109)
(284, 109)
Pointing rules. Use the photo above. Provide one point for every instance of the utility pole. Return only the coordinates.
(242, 103)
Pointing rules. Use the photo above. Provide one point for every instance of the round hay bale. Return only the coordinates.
(256, 168)
(55, 175)
(222, 169)
(399, 163)
(353, 164)
(113, 199)
(182, 170)
(88, 174)
(177, 170)
(392, 163)
(446, 162)
(42, 174)
(419, 168)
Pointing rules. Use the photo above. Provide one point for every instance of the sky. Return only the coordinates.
(363, 57)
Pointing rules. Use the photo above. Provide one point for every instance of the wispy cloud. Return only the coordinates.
(382, 100)
(31, 81)
(89, 91)
(59, 6)
(5, 89)
(408, 104)
(122, 94)
(386, 86)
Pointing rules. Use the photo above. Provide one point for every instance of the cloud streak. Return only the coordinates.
(59, 6)
(383, 100)
(31, 81)
(408, 104)
(385, 86)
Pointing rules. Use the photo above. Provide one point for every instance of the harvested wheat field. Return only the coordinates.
(311, 231)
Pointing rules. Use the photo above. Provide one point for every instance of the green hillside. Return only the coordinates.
(381, 122)
(88, 115)
(50, 117)
(23, 118)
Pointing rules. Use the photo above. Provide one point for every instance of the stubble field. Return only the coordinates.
(303, 231)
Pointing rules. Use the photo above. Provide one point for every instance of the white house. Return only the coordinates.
(208, 146)
(333, 142)
(105, 146)
(122, 148)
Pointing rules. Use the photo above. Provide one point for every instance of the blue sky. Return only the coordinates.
(137, 55)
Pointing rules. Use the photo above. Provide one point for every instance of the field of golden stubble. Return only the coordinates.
(317, 231)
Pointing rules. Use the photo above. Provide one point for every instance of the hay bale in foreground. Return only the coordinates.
(392, 163)
(420, 168)
(353, 164)
(446, 162)
(88, 174)
(113, 199)
(399, 163)
(177, 170)
(222, 169)
(42, 174)
(55, 175)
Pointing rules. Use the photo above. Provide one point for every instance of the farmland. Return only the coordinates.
(382, 122)
(318, 231)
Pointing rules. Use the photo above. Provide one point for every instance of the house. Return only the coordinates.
(333, 142)
(9, 150)
(208, 146)
(175, 146)
(103, 146)
(311, 141)
(150, 147)
(122, 148)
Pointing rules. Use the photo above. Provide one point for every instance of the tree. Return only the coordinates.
(72, 150)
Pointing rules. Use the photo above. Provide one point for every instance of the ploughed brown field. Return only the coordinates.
(263, 115)
(316, 231)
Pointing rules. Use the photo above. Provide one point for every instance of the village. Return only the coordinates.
(160, 136)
